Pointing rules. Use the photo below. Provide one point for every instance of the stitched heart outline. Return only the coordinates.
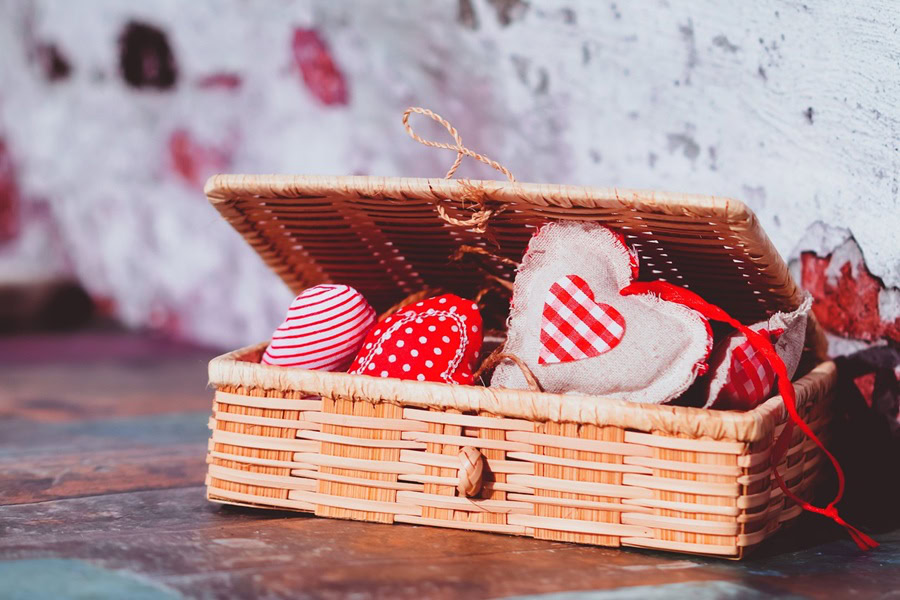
(437, 339)
(574, 326)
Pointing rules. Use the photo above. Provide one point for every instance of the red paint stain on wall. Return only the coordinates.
(9, 196)
(320, 73)
(193, 161)
(165, 319)
(846, 305)
(223, 81)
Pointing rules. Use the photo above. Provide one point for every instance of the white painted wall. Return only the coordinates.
(788, 106)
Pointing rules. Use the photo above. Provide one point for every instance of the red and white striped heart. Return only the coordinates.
(323, 329)
(574, 326)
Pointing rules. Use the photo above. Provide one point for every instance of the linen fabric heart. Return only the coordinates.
(634, 259)
(574, 326)
(438, 339)
(740, 378)
(323, 329)
(662, 346)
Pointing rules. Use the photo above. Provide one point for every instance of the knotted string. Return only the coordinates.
(461, 150)
(763, 345)
(480, 217)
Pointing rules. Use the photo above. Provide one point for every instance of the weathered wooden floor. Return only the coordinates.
(102, 442)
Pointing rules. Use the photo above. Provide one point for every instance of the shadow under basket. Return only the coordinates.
(558, 467)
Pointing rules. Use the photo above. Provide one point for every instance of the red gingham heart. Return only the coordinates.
(750, 377)
(574, 326)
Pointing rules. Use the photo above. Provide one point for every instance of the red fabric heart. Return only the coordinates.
(750, 378)
(437, 339)
(574, 326)
(660, 356)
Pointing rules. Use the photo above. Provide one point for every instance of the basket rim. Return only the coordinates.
(222, 188)
(748, 426)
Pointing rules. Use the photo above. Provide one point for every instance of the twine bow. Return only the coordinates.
(479, 219)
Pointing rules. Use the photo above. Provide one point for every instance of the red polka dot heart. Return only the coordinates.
(438, 339)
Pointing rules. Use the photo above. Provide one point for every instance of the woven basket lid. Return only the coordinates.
(385, 237)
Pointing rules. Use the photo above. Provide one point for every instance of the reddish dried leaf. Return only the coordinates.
(847, 305)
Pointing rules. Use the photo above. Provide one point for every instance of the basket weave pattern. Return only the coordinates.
(383, 235)
(370, 456)
(570, 468)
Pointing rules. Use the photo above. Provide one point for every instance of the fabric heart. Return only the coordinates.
(324, 329)
(660, 355)
(634, 259)
(437, 339)
(740, 377)
(574, 326)
(750, 376)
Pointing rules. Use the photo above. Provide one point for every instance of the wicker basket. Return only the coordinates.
(578, 469)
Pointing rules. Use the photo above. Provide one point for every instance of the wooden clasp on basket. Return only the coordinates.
(471, 472)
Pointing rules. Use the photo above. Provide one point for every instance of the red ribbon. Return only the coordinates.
(762, 344)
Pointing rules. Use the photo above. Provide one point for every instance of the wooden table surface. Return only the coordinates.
(102, 448)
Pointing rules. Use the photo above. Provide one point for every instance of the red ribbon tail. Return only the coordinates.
(862, 540)
(763, 345)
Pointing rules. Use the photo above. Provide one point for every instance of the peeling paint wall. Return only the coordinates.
(113, 113)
